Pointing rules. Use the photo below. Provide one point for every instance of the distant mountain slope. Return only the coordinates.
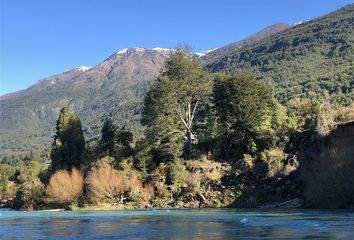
(264, 33)
(311, 59)
(113, 88)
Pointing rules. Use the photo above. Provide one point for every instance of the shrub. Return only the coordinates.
(274, 159)
(146, 193)
(345, 114)
(248, 161)
(326, 119)
(193, 184)
(30, 189)
(176, 173)
(162, 191)
(106, 184)
(28, 196)
(6, 172)
(65, 187)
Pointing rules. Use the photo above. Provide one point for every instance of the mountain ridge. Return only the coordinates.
(263, 33)
(115, 87)
(312, 59)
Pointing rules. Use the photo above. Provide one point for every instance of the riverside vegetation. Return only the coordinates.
(211, 140)
(311, 60)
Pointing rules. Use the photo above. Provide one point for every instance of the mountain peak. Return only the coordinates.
(81, 68)
(127, 50)
(141, 49)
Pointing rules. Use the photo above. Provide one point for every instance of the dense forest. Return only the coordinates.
(312, 61)
(210, 140)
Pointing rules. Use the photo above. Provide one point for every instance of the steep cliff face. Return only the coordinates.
(328, 173)
(339, 144)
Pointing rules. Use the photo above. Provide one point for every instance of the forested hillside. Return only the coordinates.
(254, 38)
(312, 59)
(113, 88)
(210, 140)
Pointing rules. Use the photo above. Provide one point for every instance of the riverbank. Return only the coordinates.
(272, 180)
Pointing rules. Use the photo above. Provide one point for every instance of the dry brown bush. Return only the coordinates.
(134, 184)
(138, 192)
(147, 192)
(162, 191)
(106, 184)
(65, 187)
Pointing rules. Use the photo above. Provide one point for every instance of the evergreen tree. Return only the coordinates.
(244, 107)
(124, 139)
(35, 155)
(69, 142)
(171, 104)
(107, 141)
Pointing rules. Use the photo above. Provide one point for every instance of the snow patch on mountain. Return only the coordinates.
(81, 68)
(300, 22)
(124, 50)
(141, 50)
(162, 49)
(200, 54)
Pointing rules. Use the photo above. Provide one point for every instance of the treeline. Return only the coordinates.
(210, 140)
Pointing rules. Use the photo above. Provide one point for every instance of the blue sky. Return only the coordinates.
(39, 38)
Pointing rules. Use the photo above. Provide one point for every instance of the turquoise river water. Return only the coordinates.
(178, 224)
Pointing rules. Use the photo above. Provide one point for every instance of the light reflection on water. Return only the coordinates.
(178, 224)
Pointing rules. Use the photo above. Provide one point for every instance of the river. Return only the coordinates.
(178, 224)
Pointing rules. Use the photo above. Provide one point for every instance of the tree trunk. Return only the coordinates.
(189, 143)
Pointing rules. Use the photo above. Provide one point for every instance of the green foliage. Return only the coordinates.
(107, 141)
(274, 159)
(143, 160)
(124, 147)
(6, 173)
(30, 188)
(112, 91)
(305, 112)
(247, 162)
(168, 149)
(312, 59)
(171, 103)
(125, 137)
(69, 142)
(116, 144)
(327, 119)
(237, 119)
(244, 108)
(176, 173)
(206, 128)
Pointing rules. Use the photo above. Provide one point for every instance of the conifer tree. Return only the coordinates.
(69, 142)
(107, 141)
